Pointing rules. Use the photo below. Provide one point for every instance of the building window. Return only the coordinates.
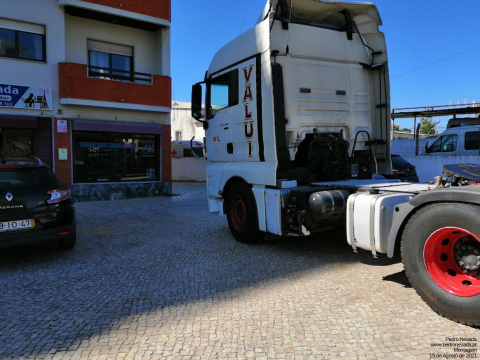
(19, 40)
(114, 157)
(178, 135)
(113, 62)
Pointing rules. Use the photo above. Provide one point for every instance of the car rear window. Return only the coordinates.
(25, 178)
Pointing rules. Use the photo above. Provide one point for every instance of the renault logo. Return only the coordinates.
(9, 197)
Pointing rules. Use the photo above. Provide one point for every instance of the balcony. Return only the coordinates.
(94, 86)
(150, 15)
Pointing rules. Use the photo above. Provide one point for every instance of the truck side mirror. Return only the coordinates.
(427, 150)
(197, 101)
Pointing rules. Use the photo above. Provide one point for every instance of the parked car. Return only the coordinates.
(403, 170)
(35, 207)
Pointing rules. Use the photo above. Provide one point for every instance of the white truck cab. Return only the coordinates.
(304, 96)
(297, 134)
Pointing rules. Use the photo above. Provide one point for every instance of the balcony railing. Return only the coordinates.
(99, 72)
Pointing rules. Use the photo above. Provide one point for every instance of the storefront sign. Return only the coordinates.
(24, 97)
(62, 126)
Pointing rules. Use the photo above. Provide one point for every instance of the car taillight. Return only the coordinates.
(58, 195)
(394, 172)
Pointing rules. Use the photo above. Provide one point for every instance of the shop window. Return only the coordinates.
(178, 135)
(114, 157)
(19, 40)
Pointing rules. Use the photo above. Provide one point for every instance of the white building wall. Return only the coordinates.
(163, 51)
(79, 30)
(181, 120)
(34, 73)
(406, 147)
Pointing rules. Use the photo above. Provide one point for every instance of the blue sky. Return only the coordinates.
(420, 35)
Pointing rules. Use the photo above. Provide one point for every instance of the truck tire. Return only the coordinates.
(441, 256)
(242, 214)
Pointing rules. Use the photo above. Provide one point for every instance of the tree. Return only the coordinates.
(396, 127)
(407, 130)
(428, 126)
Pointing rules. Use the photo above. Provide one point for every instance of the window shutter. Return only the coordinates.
(110, 48)
(22, 26)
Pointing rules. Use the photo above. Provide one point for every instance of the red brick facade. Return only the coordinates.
(75, 84)
(166, 144)
(61, 140)
(156, 8)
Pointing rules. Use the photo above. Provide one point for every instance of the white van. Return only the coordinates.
(187, 148)
(459, 141)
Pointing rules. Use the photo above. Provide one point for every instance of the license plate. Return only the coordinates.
(17, 225)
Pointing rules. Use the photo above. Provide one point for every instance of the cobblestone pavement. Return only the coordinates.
(162, 278)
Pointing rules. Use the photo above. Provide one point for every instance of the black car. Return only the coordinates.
(35, 207)
(403, 170)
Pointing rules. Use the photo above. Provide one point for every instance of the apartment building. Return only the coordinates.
(85, 86)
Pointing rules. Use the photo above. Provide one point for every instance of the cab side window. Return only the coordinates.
(446, 143)
(223, 92)
(472, 140)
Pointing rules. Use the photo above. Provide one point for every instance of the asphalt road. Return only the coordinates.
(162, 278)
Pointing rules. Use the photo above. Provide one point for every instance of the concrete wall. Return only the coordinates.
(181, 120)
(406, 147)
(189, 169)
(430, 166)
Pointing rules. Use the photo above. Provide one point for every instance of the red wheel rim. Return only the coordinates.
(238, 212)
(444, 258)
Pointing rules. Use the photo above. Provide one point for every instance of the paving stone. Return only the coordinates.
(162, 278)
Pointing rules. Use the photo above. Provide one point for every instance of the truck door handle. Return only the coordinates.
(229, 148)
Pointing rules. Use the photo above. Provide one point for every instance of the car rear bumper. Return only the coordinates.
(25, 237)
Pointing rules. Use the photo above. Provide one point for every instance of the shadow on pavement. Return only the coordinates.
(136, 257)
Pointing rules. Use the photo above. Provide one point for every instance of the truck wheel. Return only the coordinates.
(441, 256)
(242, 214)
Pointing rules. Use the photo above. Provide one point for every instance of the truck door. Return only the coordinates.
(222, 94)
(245, 117)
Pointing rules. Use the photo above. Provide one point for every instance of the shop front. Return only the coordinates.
(112, 161)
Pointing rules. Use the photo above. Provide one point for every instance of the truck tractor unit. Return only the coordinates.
(297, 120)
